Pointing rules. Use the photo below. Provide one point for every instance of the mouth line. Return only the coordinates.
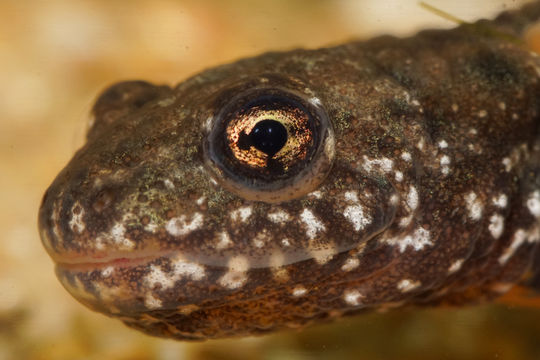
(126, 260)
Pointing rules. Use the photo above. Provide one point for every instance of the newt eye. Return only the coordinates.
(270, 145)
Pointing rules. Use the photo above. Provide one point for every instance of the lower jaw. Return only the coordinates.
(113, 287)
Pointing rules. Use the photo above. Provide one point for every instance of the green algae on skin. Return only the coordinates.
(414, 181)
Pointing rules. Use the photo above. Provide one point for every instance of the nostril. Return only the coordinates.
(103, 200)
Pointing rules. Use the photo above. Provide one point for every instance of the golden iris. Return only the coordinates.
(299, 136)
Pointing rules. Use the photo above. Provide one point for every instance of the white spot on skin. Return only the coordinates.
(208, 123)
(99, 244)
(200, 200)
(533, 203)
(445, 161)
(407, 285)
(496, 225)
(117, 232)
(76, 223)
(473, 131)
(151, 302)
(352, 297)
(405, 221)
(236, 276)
(482, 113)
(520, 236)
(279, 217)
(152, 226)
(260, 239)
(351, 196)
(475, 148)
(519, 153)
(179, 226)
(350, 264)
(518, 239)
(394, 199)
(315, 101)
(406, 156)
(299, 290)
(355, 214)
(456, 265)
(107, 293)
(168, 184)
(420, 144)
(187, 309)
(507, 164)
(500, 201)
(316, 194)
(313, 225)
(285, 242)
(119, 174)
(443, 144)
(157, 276)
(180, 269)
(117, 235)
(502, 106)
(166, 102)
(474, 206)
(412, 198)
(384, 164)
(407, 96)
(242, 213)
(417, 240)
(107, 271)
(399, 176)
(224, 241)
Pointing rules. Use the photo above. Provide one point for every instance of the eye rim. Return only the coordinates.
(273, 190)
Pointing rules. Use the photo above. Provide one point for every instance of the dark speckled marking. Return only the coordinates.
(433, 196)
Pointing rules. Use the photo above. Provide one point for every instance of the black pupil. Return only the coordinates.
(269, 136)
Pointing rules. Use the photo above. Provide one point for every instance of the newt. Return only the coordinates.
(294, 187)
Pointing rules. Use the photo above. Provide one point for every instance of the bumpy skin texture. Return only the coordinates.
(433, 196)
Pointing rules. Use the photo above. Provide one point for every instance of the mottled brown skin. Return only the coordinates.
(433, 196)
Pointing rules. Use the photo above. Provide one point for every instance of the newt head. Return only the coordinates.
(293, 187)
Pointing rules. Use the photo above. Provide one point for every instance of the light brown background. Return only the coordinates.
(55, 56)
